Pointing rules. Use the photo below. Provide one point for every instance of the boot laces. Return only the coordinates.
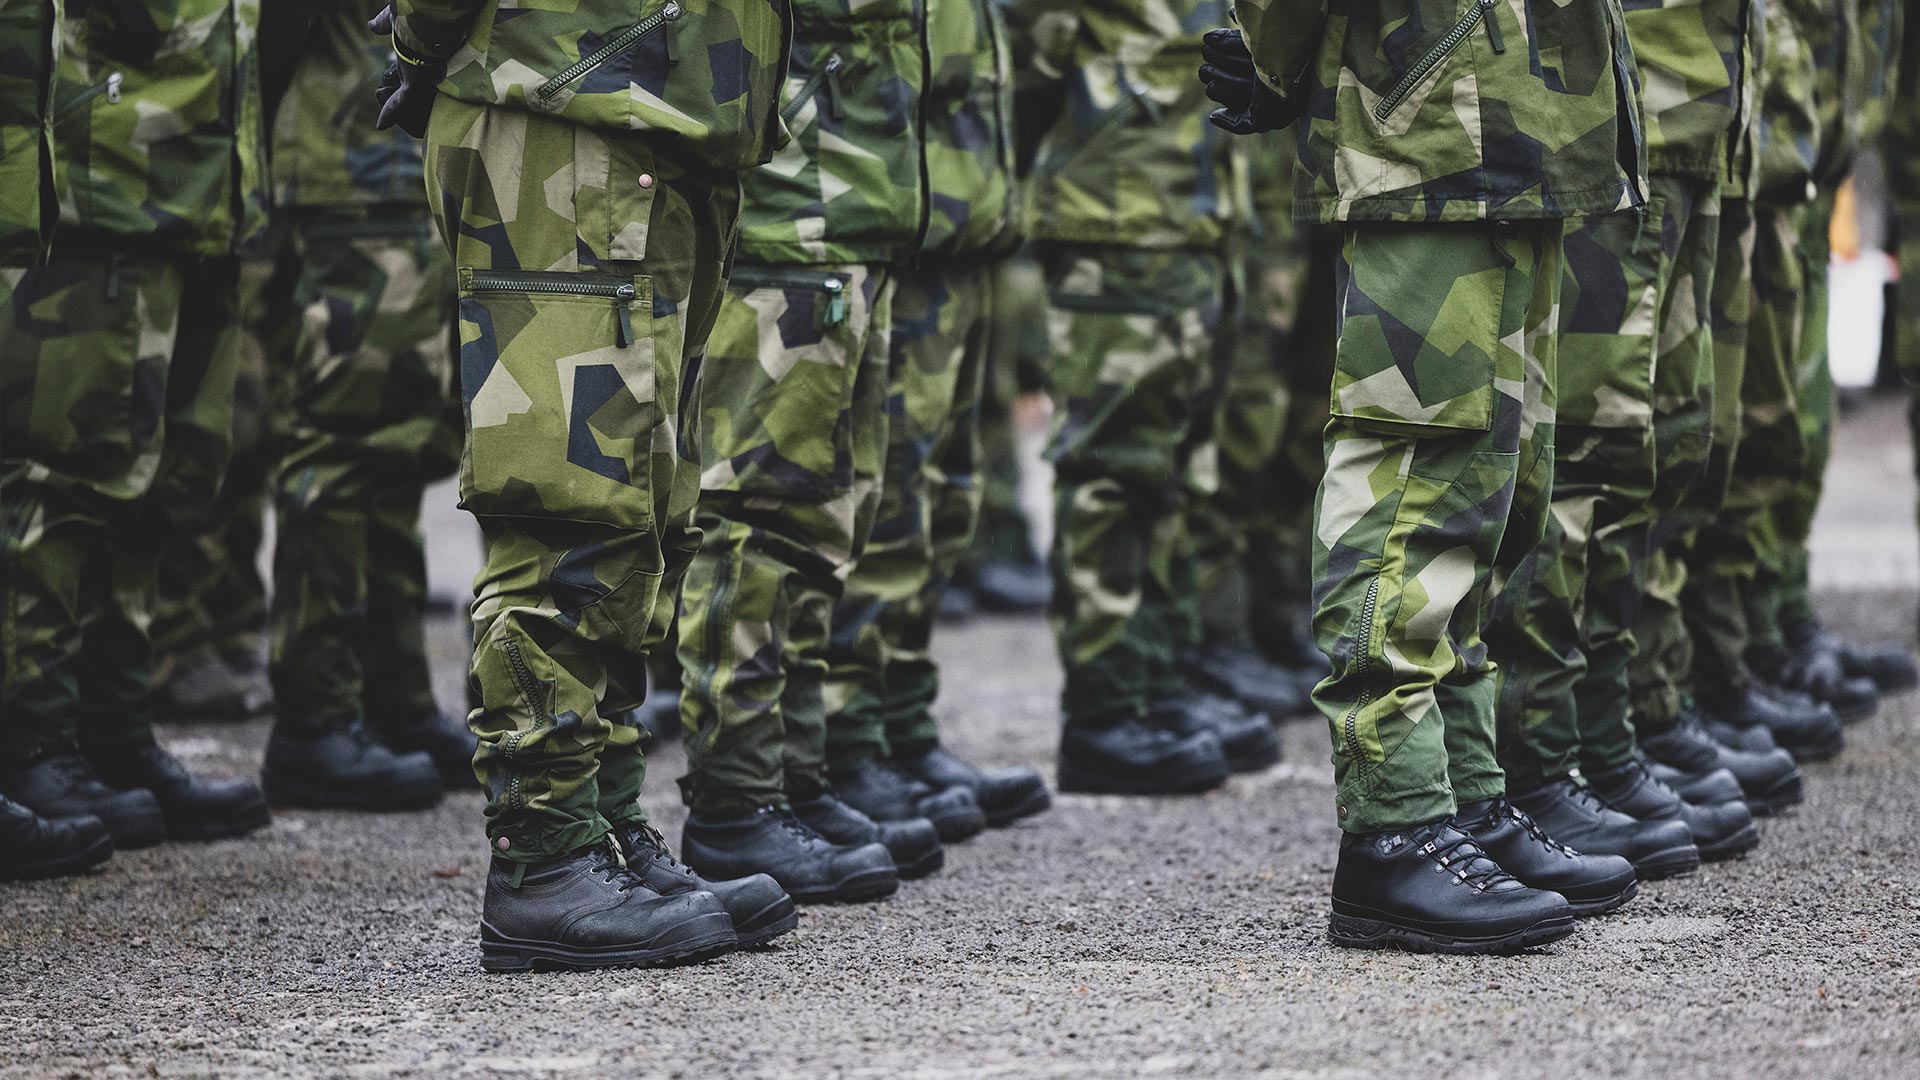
(790, 821)
(1525, 821)
(611, 867)
(645, 835)
(1462, 857)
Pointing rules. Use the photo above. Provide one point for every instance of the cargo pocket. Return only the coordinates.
(559, 381)
(1420, 317)
(776, 387)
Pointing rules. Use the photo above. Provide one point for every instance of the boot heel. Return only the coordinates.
(1356, 933)
(501, 960)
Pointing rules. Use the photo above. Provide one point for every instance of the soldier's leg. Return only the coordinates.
(1813, 405)
(1002, 569)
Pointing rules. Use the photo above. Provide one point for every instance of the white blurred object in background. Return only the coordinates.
(1857, 315)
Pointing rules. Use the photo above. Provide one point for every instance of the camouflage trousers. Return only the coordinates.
(116, 381)
(1015, 358)
(369, 419)
(881, 679)
(1133, 352)
(1439, 465)
(792, 427)
(1635, 336)
(590, 266)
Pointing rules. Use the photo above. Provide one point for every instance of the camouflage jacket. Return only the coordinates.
(26, 56)
(1455, 110)
(1802, 35)
(1693, 69)
(1133, 159)
(1874, 67)
(1901, 140)
(973, 205)
(325, 149)
(704, 73)
(156, 122)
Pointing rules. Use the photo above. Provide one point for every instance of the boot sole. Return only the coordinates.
(309, 796)
(1855, 713)
(1669, 863)
(1036, 802)
(1181, 779)
(1738, 844)
(859, 889)
(1365, 932)
(132, 832)
(927, 863)
(1789, 792)
(85, 859)
(1262, 757)
(500, 954)
(776, 919)
(1587, 909)
(253, 819)
(1824, 750)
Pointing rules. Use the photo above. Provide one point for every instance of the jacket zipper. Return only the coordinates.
(829, 76)
(621, 42)
(1630, 157)
(920, 150)
(618, 290)
(111, 88)
(834, 285)
(1350, 727)
(530, 689)
(1476, 11)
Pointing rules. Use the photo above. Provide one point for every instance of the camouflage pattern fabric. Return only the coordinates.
(882, 681)
(117, 376)
(1016, 355)
(973, 203)
(1439, 467)
(1692, 59)
(590, 267)
(324, 146)
(1133, 331)
(368, 422)
(27, 51)
(702, 76)
(1454, 110)
(792, 441)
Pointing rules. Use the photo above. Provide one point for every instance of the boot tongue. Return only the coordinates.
(1474, 813)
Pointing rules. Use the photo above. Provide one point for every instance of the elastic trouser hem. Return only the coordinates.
(1371, 811)
(714, 801)
(543, 836)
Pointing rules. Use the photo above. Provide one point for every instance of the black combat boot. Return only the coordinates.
(1720, 831)
(957, 602)
(1005, 795)
(1262, 685)
(587, 910)
(1012, 586)
(65, 786)
(1130, 757)
(1768, 779)
(884, 791)
(32, 847)
(1246, 738)
(1752, 740)
(659, 716)
(756, 904)
(347, 768)
(1430, 888)
(1891, 667)
(774, 842)
(1808, 730)
(1699, 788)
(1575, 816)
(1592, 884)
(914, 843)
(446, 740)
(1818, 674)
(195, 808)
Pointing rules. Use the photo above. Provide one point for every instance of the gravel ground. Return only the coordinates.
(1108, 938)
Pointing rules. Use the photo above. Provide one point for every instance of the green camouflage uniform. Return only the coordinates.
(369, 410)
(1129, 209)
(1634, 422)
(1450, 154)
(582, 162)
(118, 356)
(881, 681)
(792, 431)
(1016, 355)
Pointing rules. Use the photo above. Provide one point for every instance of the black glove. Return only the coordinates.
(1249, 105)
(406, 91)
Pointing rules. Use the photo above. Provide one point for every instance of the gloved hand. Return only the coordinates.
(1249, 105)
(406, 91)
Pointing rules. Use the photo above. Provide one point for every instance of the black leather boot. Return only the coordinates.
(914, 843)
(758, 907)
(445, 739)
(1808, 730)
(1575, 816)
(195, 808)
(1592, 884)
(1262, 685)
(883, 791)
(1768, 779)
(774, 842)
(1005, 795)
(1720, 831)
(32, 847)
(347, 768)
(1246, 737)
(1890, 667)
(1129, 757)
(1753, 740)
(588, 910)
(1700, 788)
(65, 786)
(1817, 674)
(1430, 888)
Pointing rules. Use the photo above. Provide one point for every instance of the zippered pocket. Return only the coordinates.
(109, 87)
(621, 291)
(1478, 12)
(826, 77)
(658, 22)
(832, 286)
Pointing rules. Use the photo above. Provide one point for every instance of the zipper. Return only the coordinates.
(828, 76)
(1350, 727)
(621, 42)
(617, 289)
(111, 88)
(1623, 104)
(833, 285)
(530, 689)
(1476, 11)
(719, 618)
(920, 149)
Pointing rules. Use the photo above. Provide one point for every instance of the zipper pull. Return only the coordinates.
(834, 108)
(671, 13)
(113, 87)
(1492, 23)
(623, 329)
(836, 301)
